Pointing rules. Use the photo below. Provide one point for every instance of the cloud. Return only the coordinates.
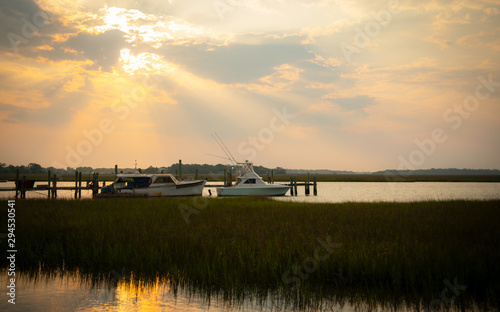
(443, 43)
(24, 27)
(14, 15)
(355, 103)
(236, 63)
(102, 49)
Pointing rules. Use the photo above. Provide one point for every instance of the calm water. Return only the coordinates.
(70, 293)
(337, 192)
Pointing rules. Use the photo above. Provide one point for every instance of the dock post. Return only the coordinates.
(230, 178)
(17, 183)
(225, 176)
(180, 170)
(48, 184)
(306, 188)
(23, 190)
(54, 192)
(295, 185)
(315, 187)
(94, 182)
(96, 185)
(272, 176)
(291, 186)
(80, 185)
(76, 184)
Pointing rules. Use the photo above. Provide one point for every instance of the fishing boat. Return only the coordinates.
(151, 185)
(249, 183)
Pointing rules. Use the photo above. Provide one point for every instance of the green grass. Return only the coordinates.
(400, 251)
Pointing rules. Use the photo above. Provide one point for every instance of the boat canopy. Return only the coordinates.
(145, 180)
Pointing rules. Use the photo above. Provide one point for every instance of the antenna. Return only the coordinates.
(219, 156)
(224, 148)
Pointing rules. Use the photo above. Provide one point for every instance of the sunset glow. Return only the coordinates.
(307, 84)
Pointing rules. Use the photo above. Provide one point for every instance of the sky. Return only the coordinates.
(315, 84)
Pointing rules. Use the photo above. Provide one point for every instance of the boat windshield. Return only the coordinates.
(135, 181)
(164, 179)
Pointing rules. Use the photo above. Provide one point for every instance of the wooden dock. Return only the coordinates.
(307, 186)
(22, 185)
(51, 187)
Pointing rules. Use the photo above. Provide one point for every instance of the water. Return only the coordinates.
(72, 293)
(337, 192)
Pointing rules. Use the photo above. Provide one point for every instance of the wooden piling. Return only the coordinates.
(295, 185)
(306, 186)
(116, 170)
(23, 190)
(95, 186)
(315, 187)
(291, 186)
(80, 185)
(76, 184)
(48, 184)
(17, 183)
(180, 170)
(54, 192)
(225, 176)
(272, 176)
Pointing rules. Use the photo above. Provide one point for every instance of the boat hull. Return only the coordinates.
(184, 188)
(268, 190)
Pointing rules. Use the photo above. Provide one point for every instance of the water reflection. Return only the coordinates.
(72, 292)
(69, 292)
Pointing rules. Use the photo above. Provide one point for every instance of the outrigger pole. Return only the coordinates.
(224, 148)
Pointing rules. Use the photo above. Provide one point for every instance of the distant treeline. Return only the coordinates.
(449, 171)
(186, 169)
(205, 169)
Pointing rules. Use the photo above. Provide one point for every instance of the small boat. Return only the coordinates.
(25, 184)
(249, 183)
(151, 185)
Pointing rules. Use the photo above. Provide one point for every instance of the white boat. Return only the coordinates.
(249, 183)
(153, 185)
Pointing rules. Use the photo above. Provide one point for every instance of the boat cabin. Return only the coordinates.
(248, 177)
(143, 180)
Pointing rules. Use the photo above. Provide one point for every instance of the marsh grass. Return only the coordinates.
(390, 253)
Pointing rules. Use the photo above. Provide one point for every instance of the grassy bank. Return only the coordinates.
(383, 250)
